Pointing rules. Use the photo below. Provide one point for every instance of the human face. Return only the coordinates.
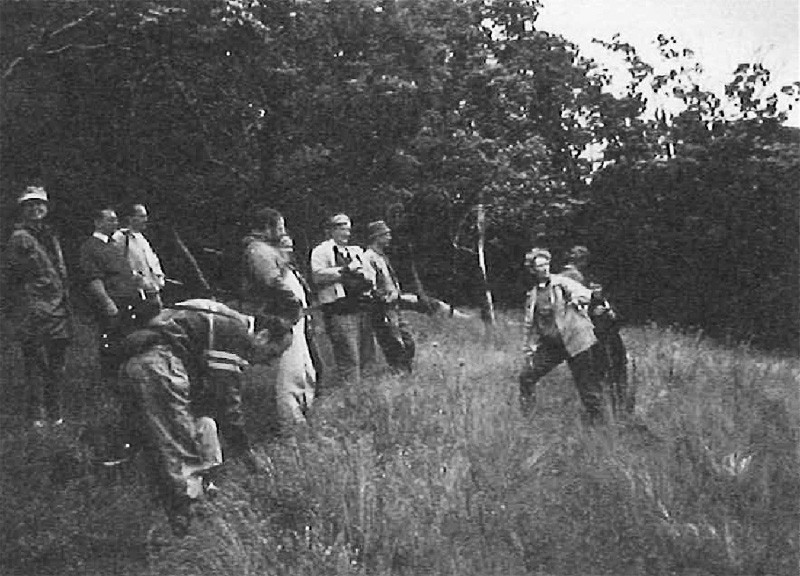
(276, 232)
(341, 234)
(540, 269)
(34, 210)
(138, 220)
(383, 240)
(107, 223)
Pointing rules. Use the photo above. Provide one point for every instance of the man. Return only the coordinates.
(115, 292)
(343, 287)
(391, 329)
(143, 260)
(184, 364)
(612, 357)
(558, 328)
(35, 279)
(271, 286)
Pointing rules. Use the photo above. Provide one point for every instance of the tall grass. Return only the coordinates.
(438, 473)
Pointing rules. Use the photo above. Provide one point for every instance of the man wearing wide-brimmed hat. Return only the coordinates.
(391, 329)
(35, 283)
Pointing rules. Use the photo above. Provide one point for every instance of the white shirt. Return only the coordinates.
(141, 257)
(323, 267)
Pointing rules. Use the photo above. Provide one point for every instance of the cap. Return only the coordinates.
(535, 253)
(377, 228)
(339, 220)
(33, 193)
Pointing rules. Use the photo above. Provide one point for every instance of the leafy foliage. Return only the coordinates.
(406, 110)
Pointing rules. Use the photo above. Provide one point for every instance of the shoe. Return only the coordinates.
(58, 422)
(39, 423)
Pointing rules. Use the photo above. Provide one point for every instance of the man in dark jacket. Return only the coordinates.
(35, 286)
(115, 292)
(186, 364)
(612, 356)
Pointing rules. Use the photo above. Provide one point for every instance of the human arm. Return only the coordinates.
(98, 292)
(324, 270)
(529, 336)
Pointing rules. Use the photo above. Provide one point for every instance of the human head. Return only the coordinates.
(34, 204)
(537, 261)
(379, 233)
(339, 227)
(578, 256)
(106, 221)
(136, 217)
(286, 244)
(271, 223)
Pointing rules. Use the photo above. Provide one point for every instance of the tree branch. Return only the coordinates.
(33, 49)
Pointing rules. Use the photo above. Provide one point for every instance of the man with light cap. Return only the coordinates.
(185, 364)
(558, 328)
(391, 329)
(143, 260)
(343, 285)
(35, 289)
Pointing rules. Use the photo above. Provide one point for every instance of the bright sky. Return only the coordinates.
(722, 33)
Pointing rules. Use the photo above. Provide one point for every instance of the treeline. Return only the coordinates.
(413, 111)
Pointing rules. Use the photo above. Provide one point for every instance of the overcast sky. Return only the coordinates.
(722, 33)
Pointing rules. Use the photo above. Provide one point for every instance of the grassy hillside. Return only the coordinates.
(438, 473)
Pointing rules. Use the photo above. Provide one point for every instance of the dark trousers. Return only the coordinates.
(584, 372)
(612, 360)
(48, 358)
(394, 337)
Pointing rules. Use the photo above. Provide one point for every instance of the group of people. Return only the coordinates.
(567, 318)
(177, 369)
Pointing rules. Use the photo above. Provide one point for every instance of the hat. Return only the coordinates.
(286, 242)
(32, 193)
(377, 228)
(535, 253)
(339, 220)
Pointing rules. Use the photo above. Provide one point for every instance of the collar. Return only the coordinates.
(100, 236)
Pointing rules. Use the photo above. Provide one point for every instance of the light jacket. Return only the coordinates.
(142, 258)
(570, 301)
(324, 268)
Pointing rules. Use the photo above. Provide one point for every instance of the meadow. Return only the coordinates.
(438, 473)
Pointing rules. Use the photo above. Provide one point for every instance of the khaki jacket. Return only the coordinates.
(570, 300)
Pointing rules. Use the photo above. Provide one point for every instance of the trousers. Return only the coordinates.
(156, 394)
(584, 372)
(295, 380)
(394, 337)
(43, 394)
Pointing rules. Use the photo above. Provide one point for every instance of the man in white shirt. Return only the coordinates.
(343, 287)
(143, 260)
